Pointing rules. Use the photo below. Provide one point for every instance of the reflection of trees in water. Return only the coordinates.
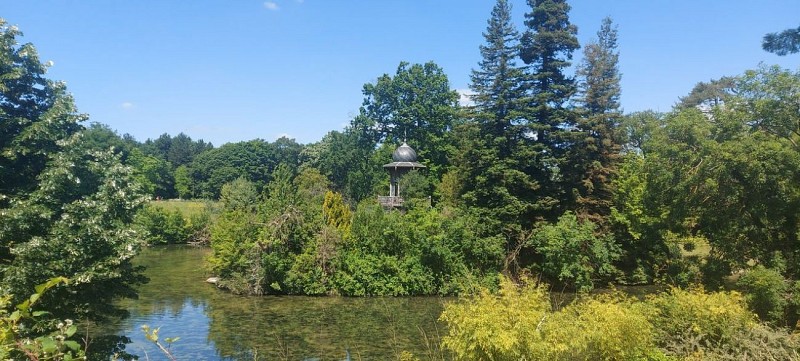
(177, 277)
(271, 327)
(176, 281)
(324, 327)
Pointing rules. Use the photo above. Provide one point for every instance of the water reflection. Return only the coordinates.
(216, 325)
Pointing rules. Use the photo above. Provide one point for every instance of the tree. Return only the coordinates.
(36, 113)
(415, 105)
(770, 96)
(498, 83)
(596, 154)
(727, 183)
(706, 96)
(154, 174)
(65, 210)
(547, 46)
(254, 160)
(350, 162)
(783, 43)
(489, 151)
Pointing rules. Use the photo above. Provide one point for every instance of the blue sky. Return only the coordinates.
(227, 71)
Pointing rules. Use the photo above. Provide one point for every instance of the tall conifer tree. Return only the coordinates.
(487, 159)
(596, 155)
(547, 46)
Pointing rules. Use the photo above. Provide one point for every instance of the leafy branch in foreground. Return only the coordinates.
(18, 329)
(152, 336)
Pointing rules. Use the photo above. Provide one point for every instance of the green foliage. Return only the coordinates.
(765, 290)
(573, 254)
(298, 242)
(783, 43)
(19, 329)
(37, 113)
(253, 160)
(491, 152)
(726, 175)
(518, 323)
(706, 96)
(414, 185)
(234, 233)
(610, 327)
(349, 160)
(153, 173)
(152, 336)
(179, 150)
(337, 214)
(595, 156)
(496, 327)
(768, 98)
(163, 226)
(65, 209)
(415, 105)
(240, 194)
(693, 314)
(546, 47)
(76, 223)
(183, 182)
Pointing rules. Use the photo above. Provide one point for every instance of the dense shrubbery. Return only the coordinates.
(171, 226)
(573, 253)
(303, 239)
(163, 226)
(518, 323)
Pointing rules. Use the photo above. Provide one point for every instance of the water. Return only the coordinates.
(216, 325)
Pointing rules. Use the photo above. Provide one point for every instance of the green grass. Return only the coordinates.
(187, 208)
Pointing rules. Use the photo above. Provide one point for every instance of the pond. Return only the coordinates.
(215, 325)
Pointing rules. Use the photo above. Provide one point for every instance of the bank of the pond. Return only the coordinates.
(216, 325)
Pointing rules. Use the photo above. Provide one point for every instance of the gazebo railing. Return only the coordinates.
(390, 202)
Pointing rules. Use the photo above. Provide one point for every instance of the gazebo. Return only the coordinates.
(404, 160)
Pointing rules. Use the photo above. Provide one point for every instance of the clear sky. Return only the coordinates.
(226, 71)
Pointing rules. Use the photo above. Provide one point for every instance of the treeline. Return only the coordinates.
(542, 175)
(549, 174)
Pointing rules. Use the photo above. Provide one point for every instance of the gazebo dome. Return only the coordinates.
(404, 153)
(404, 157)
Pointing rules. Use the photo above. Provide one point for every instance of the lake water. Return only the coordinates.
(215, 325)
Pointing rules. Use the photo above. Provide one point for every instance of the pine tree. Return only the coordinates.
(497, 84)
(489, 148)
(547, 46)
(595, 157)
(783, 43)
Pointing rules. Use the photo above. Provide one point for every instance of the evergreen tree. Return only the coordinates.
(488, 156)
(783, 43)
(547, 46)
(596, 156)
(497, 84)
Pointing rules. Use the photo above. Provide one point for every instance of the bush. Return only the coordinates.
(573, 254)
(690, 320)
(163, 226)
(609, 327)
(496, 327)
(519, 324)
(765, 290)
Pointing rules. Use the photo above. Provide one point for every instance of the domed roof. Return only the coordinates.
(404, 153)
